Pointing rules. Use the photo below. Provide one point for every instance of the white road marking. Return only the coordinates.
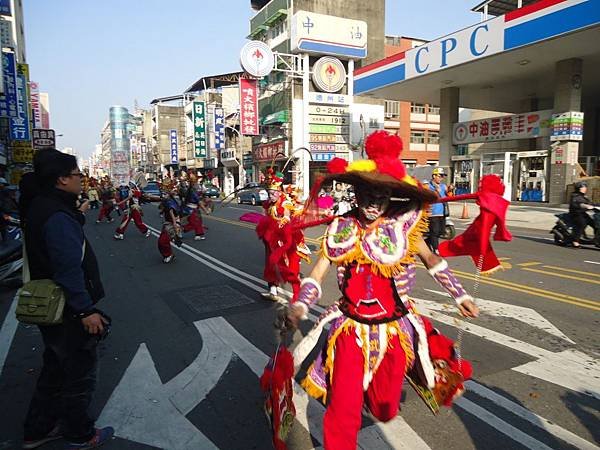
(144, 410)
(7, 332)
(592, 262)
(309, 412)
(500, 425)
(526, 315)
(524, 413)
(570, 368)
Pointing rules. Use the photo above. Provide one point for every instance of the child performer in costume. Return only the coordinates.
(192, 210)
(171, 230)
(132, 210)
(375, 336)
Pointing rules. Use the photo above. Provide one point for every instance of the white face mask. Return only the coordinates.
(372, 202)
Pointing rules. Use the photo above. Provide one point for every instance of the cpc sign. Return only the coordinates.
(478, 41)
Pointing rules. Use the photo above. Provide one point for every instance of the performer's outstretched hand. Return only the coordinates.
(468, 309)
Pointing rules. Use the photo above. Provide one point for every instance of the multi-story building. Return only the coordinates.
(168, 136)
(418, 125)
(297, 111)
(12, 28)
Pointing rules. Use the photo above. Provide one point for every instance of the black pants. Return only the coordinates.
(437, 224)
(580, 221)
(66, 383)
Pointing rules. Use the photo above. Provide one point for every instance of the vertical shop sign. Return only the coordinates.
(8, 103)
(249, 106)
(219, 128)
(36, 107)
(199, 116)
(174, 149)
(19, 125)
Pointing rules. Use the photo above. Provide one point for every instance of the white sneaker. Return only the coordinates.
(97, 221)
(119, 236)
(199, 238)
(148, 233)
(168, 259)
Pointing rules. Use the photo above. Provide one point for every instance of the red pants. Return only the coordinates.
(194, 222)
(105, 212)
(343, 417)
(164, 244)
(137, 219)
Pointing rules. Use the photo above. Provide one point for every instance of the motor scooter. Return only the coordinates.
(563, 229)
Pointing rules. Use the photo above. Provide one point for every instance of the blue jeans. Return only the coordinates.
(66, 383)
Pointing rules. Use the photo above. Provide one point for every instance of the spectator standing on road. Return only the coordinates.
(437, 218)
(57, 249)
(578, 205)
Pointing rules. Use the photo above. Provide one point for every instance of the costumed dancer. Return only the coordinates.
(133, 210)
(192, 210)
(107, 196)
(376, 336)
(475, 241)
(171, 230)
(283, 241)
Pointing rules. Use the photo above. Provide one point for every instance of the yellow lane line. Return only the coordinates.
(581, 272)
(564, 298)
(562, 275)
(527, 264)
(503, 259)
(252, 227)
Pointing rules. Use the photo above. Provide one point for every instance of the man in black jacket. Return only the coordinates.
(57, 249)
(578, 206)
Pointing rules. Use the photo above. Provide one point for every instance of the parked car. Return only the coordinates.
(211, 190)
(152, 188)
(253, 193)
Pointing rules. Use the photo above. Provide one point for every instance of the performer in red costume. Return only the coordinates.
(107, 195)
(475, 241)
(133, 210)
(375, 335)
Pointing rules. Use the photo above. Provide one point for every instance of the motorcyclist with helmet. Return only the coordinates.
(578, 206)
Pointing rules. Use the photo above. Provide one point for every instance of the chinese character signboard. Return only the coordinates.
(503, 128)
(5, 8)
(269, 152)
(248, 107)
(22, 152)
(8, 104)
(19, 125)
(199, 116)
(174, 149)
(567, 126)
(43, 138)
(219, 129)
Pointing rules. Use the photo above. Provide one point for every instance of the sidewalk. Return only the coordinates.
(521, 216)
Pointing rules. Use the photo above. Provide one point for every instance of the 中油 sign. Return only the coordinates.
(257, 59)
(329, 74)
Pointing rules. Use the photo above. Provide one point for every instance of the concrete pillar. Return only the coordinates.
(449, 104)
(564, 154)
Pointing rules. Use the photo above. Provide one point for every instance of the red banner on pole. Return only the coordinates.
(249, 106)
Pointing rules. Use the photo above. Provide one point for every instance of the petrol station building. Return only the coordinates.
(519, 95)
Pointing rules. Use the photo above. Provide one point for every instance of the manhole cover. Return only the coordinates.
(208, 299)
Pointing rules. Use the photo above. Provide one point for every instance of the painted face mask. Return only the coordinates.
(372, 202)
(274, 195)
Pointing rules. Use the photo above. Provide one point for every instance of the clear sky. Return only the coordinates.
(91, 54)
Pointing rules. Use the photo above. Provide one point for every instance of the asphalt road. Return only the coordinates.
(180, 368)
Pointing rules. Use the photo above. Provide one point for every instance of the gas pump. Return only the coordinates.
(464, 177)
(532, 176)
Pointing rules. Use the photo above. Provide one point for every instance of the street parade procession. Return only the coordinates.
(300, 225)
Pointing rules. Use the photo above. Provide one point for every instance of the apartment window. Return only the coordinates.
(417, 108)
(417, 137)
(434, 110)
(373, 123)
(433, 137)
(392, 109)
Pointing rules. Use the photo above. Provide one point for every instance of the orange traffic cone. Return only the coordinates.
(465, 211)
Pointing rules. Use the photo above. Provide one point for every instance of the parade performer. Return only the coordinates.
(107, 195)
(475, 241)
(192, 210)
(133, 210)
(171, 230)
(376, 336)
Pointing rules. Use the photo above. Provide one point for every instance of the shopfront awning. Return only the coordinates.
(276, 117)
(497, 63)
